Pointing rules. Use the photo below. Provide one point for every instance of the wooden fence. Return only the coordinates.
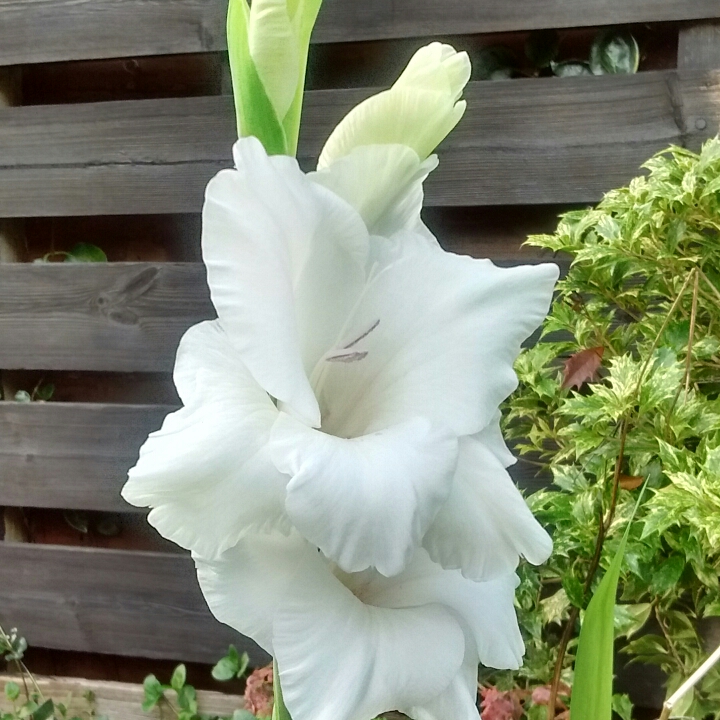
(533, 144)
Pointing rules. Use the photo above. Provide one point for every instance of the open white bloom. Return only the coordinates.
(351, 646)
(349, 388)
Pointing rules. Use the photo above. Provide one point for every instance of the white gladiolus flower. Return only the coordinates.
(349, 388)
(351, 646)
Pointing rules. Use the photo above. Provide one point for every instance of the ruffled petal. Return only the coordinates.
(434, 335)
(338, 657)
(245, 587)
(486, 609)
(418, 111)
(286, 263)
(207, 473)
(383, 183)
(365, 502)
(485, 526)
(458, 701)
(342, 659)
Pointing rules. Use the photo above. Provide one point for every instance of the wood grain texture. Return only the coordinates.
(138, 604)
(699, 47)
(116, 700)
(77, 455)
(538, 141)
(33, 31)
(121, 316)
(71, 456)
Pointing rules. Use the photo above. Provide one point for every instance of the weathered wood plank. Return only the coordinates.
(76, 455)
(116, 700)
(538, 141)
(699, 47)
(125, 317)
(71, 456)
(53, 30)
(110, 601)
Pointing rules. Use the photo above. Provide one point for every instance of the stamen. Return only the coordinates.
(350, 357)
(363, 336)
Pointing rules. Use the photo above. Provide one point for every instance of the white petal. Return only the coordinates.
(275, 51)
(458, 701)
(487, 609)
(246, 585)
(485, 526)
(207, 473)
(419, 110)
(382, 182)
(285, 261)
(341, 659)
(365, 502)
(444, 333)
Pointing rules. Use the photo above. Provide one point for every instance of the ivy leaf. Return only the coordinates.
(12, 691)
(668, 574)
(22, 396)
(86, 253)
(614, 53)
(582, 367)
(570, 68)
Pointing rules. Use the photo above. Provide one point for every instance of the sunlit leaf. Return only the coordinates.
(614, 53)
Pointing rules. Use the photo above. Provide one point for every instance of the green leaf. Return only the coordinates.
(630, 619)
(12, 691)
(668, 574)
(255, 113)
(153, 692)
(622, 705)
(78, 520)
(280, 712)
(243, 664)
(45, 711)
(243, 715)
(542, 47)
(592, 686)
(22, 396)
(570, 68)
(86, 253)
(45, 392)
(177, 681)
(614, 53)
(225, 669)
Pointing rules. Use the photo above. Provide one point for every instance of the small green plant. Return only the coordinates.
(26, 699)
(180, 698)
(624, 389)
(613, 52)
(232, 666)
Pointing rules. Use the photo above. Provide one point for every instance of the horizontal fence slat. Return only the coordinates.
(117, 700)
(532, 141)
(111, 601)
(124, 317)
(34, 31)
(71, 456)
(76, 455)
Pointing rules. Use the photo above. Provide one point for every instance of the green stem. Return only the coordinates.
(280, 712)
